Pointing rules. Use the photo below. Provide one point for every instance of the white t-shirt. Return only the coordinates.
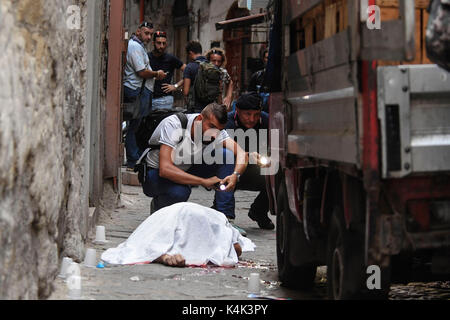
(169, 132)
(137, 60)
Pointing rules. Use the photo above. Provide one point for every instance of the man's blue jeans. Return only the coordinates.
(163, 103)
(132, 150)
(166, 192)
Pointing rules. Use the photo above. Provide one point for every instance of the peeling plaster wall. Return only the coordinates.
(42, 107)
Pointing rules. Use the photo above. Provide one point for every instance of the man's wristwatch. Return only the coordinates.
(238, 175)
(176, 85)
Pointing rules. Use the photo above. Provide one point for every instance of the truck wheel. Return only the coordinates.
(346, 272)
(290, 236)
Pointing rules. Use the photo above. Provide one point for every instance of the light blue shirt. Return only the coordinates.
(137, 60)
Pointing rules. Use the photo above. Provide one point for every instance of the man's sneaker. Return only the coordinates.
(241, 231)
(263, 222)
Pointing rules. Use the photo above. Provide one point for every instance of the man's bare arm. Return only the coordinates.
(169, 171)
(240, 166)
(186, 87)
(148, 74)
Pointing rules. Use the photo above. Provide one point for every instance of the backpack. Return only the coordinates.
(207, 82)
(151, 122)
(438, 33)
(145, 132)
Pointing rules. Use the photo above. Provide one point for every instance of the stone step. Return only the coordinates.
(130, 178)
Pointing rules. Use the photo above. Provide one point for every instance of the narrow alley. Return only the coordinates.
(330, 117)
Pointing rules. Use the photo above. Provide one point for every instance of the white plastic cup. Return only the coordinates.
(64, 266)
(253, 283)
(100, 234)
(74, 286)
(91, 258)
(73, 270)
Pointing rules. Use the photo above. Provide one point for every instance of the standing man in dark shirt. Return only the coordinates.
(194, 51)
(160, 60)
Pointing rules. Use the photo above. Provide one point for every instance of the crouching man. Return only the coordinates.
(247, 117)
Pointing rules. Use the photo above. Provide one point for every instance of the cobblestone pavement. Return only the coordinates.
(436, 290)
(158, 282)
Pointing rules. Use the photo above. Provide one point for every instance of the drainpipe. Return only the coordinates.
(142, 10)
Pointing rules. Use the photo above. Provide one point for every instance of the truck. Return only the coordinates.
(363, 185)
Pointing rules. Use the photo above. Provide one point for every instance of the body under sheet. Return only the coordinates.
(201, 235)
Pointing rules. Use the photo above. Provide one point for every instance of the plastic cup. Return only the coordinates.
(73, 270)
(253, 283)
(64, 266)
(90, 260)
(74, 286)
(100, 234)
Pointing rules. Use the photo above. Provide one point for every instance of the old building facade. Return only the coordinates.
(187, 20)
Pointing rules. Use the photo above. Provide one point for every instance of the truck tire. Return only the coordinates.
(289, 231)
(346, 271)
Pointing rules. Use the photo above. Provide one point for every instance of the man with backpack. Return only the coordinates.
(202, 79)
(183, 154)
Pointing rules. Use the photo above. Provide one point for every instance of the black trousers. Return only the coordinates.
(252, 180)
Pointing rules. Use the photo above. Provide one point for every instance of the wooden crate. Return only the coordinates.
(321, 22)
(425, 16)
(331, 24)
(390, 11)
(342, 6)
(419, 4)
(313, 22)
(336, 17)
(308, 26)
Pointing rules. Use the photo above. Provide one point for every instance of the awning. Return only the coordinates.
(241, 22)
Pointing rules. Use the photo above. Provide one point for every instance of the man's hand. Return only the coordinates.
(230, 182)
(210, 182)
(227, 102)
(160, 75)
(168, 88)
(261, 161)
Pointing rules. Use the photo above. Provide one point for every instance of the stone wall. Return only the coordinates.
(42, 107)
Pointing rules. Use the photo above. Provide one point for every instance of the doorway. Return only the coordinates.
(181, 37)
(235, 44)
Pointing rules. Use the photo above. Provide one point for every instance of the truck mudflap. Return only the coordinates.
(392, 238)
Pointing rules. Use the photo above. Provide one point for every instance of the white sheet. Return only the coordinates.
(198, 233)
